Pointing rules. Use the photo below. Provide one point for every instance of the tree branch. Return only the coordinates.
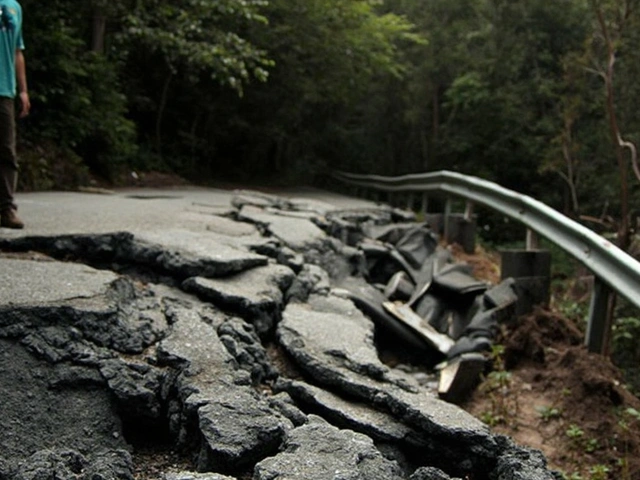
(634, 154)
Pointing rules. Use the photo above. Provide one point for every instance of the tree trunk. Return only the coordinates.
(623, 229)
(161, 108)
(98, 31)
(435, 127)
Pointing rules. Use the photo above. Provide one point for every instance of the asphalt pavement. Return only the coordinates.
(140, 209)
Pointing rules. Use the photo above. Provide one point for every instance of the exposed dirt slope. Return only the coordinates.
(549, 393)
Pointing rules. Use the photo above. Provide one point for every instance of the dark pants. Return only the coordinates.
(8, 158)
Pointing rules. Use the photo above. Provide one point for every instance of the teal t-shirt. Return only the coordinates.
(10, 41)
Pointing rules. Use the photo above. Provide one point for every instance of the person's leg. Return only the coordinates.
(8, 165)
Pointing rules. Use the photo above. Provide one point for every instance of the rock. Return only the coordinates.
(518, 463)
(242, 342)
(182, 253)
(352, 225)
(137, 386)
(316, 207)
(227, 227)
(70, 465)
(318, 451)
(347, 363)
(430, 473)
(333, 341)
(338, 260)
(311, 279)
(242, 198)
(240, 428)
(284, 404)
(188, 254)
(109, 313)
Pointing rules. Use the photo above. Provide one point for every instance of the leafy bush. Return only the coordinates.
(77, 104)
(626, 349)
(47, 167)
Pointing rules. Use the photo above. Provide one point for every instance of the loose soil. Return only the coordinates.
(548, 392)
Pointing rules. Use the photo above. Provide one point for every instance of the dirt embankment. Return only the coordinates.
(555, 396)
(550, 393)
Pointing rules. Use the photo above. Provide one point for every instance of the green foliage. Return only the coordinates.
(289, 89)
(575, 433)
(196, 36)
(626, 349)
(497, 385)
(599, 472)
(548, 413)
(46, 166)
(76, 101)
(596, 472)
(572, 476)
(579, 440)
(628, 423)
(327, 54)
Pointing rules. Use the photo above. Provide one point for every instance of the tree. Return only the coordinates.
(327, 54)
(613, 18)
(78, 107)
(194, 40)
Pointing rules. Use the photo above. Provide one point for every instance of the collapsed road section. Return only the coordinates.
(252, 347)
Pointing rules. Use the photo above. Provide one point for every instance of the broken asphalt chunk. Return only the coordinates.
(318, 451)
(182, 253)
(296, 233)
(257, 294)
(38, 422)
(216, 399)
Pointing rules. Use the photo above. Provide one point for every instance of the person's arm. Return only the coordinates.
(21, 76)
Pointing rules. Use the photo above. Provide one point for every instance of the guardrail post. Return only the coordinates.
(532, 272)
(599, 321)
(425, 203)
(410, 201)
(460, 228)
(447, 214)
(468, 210)
(533, 240)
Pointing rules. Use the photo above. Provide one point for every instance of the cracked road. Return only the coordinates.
(179, 315)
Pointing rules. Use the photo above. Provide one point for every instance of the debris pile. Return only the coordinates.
(416, 291)
(250, 347)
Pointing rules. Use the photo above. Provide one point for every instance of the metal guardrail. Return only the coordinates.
(614, 269)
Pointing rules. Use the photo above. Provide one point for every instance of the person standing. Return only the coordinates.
(13, 79)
